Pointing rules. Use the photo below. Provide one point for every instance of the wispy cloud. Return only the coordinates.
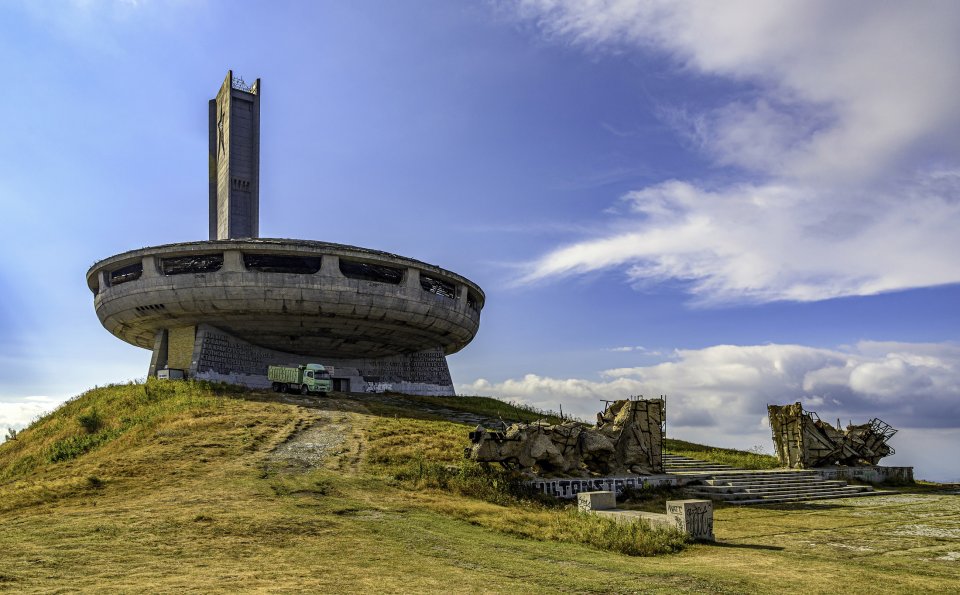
(633, 349)
(845, 147)
(777, 241)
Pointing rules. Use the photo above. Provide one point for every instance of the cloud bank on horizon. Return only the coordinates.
(835, 165)
(19, 414)
(727, 387)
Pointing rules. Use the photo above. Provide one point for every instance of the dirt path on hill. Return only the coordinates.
(331, 436)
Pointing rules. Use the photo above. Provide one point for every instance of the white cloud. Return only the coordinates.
(775, 242)
(846, 146)
(726, 388)
(633, 349)
(19, 414)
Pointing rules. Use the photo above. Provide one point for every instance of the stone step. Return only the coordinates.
(756, 492)
(761, 486)
(763, 489)
(682, 461)
(744, 474)
(808, 498)
(772, 481)
(768, 472)
(738, 497)
(756, 487)
(806, 486)
(694, 464)
(667, 459)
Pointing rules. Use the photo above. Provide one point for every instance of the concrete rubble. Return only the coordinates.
(803, 441)
(628, 438)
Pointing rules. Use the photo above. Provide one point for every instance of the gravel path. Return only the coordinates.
(309, 447)
(332, 434)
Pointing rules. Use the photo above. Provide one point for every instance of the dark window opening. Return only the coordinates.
(473, 302)
(277, 263)
(182, 265)
(128, 273)
(438, 286)
(370, 272)
(150, 308)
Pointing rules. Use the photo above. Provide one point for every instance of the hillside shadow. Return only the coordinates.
(743, 546)
(391, 405)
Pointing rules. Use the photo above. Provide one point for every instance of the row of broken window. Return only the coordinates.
(299, 265)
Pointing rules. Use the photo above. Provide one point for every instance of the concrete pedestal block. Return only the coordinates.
(587, 501)
(233, 262)
(693, 517)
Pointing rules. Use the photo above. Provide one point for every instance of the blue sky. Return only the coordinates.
(733, 204)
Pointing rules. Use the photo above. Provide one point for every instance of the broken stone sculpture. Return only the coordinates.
(803, 441)
(628, 438)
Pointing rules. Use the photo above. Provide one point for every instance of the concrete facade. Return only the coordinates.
(570, 487)
(382, 335)
(226, 308)
(876, 474)
(234, 116)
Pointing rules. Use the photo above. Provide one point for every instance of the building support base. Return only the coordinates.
(219, 356)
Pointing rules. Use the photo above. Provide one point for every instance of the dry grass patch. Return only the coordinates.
(184, 499)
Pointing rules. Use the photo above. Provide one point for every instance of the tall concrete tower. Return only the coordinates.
(235, 160)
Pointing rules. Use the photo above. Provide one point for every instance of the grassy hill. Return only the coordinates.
(164, 487)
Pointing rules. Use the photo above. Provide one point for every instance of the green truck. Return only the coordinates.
(311, 378)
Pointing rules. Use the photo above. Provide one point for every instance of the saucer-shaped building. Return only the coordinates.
(227, 308)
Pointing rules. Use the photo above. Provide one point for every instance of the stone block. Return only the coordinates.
(693, 517)
(587, 501)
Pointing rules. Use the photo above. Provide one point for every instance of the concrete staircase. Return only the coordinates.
(773, 486)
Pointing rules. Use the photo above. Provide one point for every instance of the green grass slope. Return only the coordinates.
(195, 487)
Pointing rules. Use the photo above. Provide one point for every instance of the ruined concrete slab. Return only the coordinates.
(803, 441)
(587, 501)
(627, 439)
(693, 517)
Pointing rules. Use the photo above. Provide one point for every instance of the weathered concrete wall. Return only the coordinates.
(569, 488)
(235, 161)
(801, 440)
(158, 359)
(219, 356)
(180, 347)
(868, 474)
(693, 517)
(598, 500)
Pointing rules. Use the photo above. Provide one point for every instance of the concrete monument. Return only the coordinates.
(803, 441)
(226, 308)
(628, 438)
